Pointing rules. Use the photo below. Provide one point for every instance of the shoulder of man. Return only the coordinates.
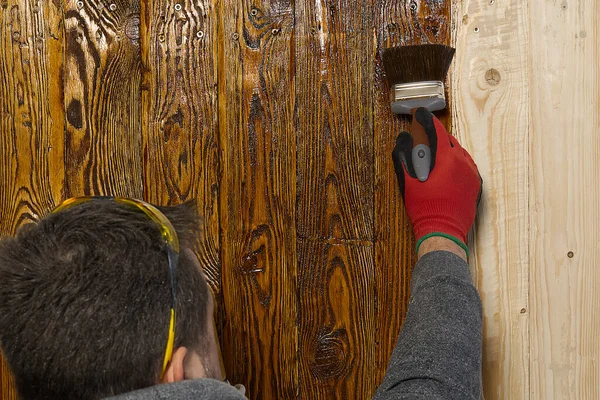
(197, 389)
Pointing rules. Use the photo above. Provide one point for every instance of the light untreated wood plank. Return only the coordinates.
(565, 199)
(334, 87)
(258, 196)
(491, 119)
(396, 23)
(102, 98)
(31, 120)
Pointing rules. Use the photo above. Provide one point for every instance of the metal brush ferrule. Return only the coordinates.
(428, 94)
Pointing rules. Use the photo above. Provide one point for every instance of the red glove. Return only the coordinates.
(444, 205)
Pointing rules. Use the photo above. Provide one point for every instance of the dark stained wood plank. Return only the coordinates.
(31, 117)
(7, 384)
(31, 120)
(397, 23)
(336, 320)
(258, 196)
(334, 70)
(180, 118)
(102, 98)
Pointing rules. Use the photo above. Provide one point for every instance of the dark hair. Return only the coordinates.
(85, 300)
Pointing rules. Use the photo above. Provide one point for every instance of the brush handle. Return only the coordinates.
(421, 160)
(421, 152)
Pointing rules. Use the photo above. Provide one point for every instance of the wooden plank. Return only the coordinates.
(397, 23)
(31, 117)
(102, 98)
(258, 196)
(336, 320)
(334, 50)
(564, 199)
(180, 117)
(7, 384)
(334, 90)
(31, 120)
(491, 119)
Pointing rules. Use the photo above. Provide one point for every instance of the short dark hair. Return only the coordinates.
(85, 299)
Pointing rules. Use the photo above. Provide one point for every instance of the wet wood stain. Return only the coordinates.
(274, 116)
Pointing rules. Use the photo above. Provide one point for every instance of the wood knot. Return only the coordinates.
(492, 76)
(132, 28)
(330, 355)
(249, 264)
(433, 24)
(75, 113)
(253, 262)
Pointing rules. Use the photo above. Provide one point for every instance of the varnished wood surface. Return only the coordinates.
(31, 119)
(101, 78)
(274, 117)
(258, 197)
(396, 23)
(334, 49)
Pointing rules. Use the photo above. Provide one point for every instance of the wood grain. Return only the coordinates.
(258, 196)
(491, 119)
(336, 314)
(564, 146)
(31, 120)
(334, 86)
(102, 98)
(334, 67)
(396, 23)
(180, 117)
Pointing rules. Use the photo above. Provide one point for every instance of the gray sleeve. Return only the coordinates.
(194, 389)
(438, 353)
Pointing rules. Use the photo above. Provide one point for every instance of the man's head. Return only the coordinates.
(85, 298)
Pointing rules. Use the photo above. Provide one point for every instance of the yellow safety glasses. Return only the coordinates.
(168, 235)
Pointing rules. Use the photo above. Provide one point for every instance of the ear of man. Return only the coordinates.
(175, 371)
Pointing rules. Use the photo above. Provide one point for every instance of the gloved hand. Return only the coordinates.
(444, 205)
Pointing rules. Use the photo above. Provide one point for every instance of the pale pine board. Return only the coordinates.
(565, 199)
(490, 114)
(533, 130)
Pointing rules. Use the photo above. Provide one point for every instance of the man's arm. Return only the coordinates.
(438, 353)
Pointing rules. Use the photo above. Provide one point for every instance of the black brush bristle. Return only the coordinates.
(417, 63)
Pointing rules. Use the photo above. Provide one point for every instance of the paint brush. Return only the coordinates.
(416, 75)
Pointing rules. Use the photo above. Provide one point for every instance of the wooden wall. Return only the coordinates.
(526, 90)
(274, 115)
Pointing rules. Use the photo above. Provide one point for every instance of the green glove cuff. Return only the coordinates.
(444, 235)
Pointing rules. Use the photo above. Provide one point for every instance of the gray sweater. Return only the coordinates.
(438, 354)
